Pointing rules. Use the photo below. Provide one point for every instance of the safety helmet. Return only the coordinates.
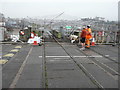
(88, 26)
(84, 27)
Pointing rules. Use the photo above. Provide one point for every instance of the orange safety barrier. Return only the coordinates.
(93, 42)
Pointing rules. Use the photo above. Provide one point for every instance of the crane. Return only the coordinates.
(53, 19)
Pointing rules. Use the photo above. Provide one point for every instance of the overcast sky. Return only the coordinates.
(78, 8)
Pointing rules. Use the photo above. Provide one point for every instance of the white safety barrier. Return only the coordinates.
(36, 38)
(14, 38)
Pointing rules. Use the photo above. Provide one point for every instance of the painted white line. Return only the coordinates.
(13, 84)
(69, 56)
(79, 56)
(87, 56)
(40, 56)
(94, 56)
(58, 60)
(57, 56)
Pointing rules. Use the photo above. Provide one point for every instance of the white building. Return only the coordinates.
(2, 29)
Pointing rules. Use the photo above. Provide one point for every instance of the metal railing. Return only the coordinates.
(106, 37)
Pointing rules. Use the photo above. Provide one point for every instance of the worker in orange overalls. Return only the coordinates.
(88, 36)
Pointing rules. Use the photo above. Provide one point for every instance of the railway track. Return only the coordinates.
(110, 71)
(114, 72)
(105, 56)
(81, 67)
(102, 65)
(111, 48)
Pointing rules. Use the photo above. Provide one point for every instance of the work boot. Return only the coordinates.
(82, 48)
(88, 47)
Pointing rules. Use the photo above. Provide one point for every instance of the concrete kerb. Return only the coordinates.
(10, 54)
(14, 43)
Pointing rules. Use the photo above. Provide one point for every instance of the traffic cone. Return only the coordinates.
(35, 43)
(93, 42)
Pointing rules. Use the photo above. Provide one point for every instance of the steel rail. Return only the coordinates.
(86, 72)
(104, 56)
(104, 65)
(109, 70)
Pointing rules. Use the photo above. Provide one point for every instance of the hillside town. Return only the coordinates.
(12, 26)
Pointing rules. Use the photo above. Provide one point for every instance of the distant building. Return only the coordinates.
(2, 27)
(2, 20)
(93, 19)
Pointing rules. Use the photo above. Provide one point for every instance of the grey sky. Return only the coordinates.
(79, 8)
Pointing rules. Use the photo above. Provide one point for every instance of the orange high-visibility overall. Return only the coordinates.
(88, 37)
